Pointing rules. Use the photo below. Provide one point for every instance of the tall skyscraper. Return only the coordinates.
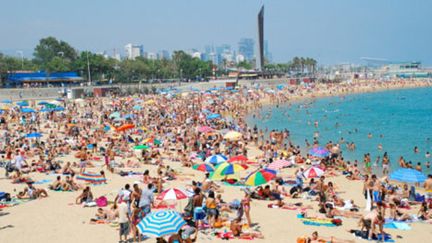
(134, 51)
(267, 53)
(260, 57)
(246, 48)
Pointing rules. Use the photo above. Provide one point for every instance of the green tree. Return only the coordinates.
(48, 52)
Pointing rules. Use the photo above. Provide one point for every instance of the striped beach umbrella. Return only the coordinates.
(216, 159)
(203, 167)
(279, 164)
(407, 175)
(319, 152)
(260, 177)
(313, 172)
(152, 140)
(91, 178)
(161, 223)
(238, 158)
(172, 194)
(225, 169)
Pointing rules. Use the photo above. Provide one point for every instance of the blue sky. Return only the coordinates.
(332, 31)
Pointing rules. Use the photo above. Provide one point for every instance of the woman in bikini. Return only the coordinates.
(246, 207)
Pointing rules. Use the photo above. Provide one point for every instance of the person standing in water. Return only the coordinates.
(385, 164)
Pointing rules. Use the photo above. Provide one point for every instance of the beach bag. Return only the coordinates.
(102, 201)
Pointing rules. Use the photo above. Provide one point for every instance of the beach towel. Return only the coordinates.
(287, 207)
(363, 235)
(397, 225)
(317, 221)
(91, 178)
(42, 182)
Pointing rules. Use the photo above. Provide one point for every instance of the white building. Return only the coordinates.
(133, 51)
(151, 56)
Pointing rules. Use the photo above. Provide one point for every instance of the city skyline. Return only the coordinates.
(331, 32)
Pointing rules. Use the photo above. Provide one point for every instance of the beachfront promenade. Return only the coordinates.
(55, 92)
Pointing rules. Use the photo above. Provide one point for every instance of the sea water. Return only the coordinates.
(398, 120)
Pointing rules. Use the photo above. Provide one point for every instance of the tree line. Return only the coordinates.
(53, 55)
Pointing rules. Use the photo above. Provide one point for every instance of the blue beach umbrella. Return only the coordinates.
(59, 108)
(43, 103)
(27, 110)
(407, 175)
(34, 135)
(216, 159)
(161, 223)
(6, 101)
(22, 103)
(213, 116)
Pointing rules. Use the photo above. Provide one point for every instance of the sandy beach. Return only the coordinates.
(58, 218)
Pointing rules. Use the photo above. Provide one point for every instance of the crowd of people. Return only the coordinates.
(94, 136)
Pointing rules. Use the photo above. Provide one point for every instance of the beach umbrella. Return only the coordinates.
(23, 103)
(43, 103)
(260, 177)
(91, 178)
(232, 135)
(203, 167)
(149, 102)
(172, 194)
(213, 116)
(152, 140)
(407, 175)
(34, 135)
(115, 115)
(129, 116)
(6, 101)
(161, 223)
(238, 158)
(137, 107)
(125, 127)
(27, 110)
(313, 172)
(279, 164)
(319, 152)
(216, 159)
(225, 169)
(205, 129)
(56, 102)
(59, 108)
(141, 147)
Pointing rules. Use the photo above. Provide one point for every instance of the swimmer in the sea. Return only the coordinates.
(416, 149)
(369, 135)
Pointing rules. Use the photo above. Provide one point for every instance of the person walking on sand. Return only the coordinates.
(124, 221)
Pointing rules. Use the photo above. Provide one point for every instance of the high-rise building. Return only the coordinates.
(267, 53)
(260, 56)
(134, 51)
(164, 54)
(246, 48)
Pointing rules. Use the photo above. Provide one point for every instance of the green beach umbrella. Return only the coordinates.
(141, 147)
